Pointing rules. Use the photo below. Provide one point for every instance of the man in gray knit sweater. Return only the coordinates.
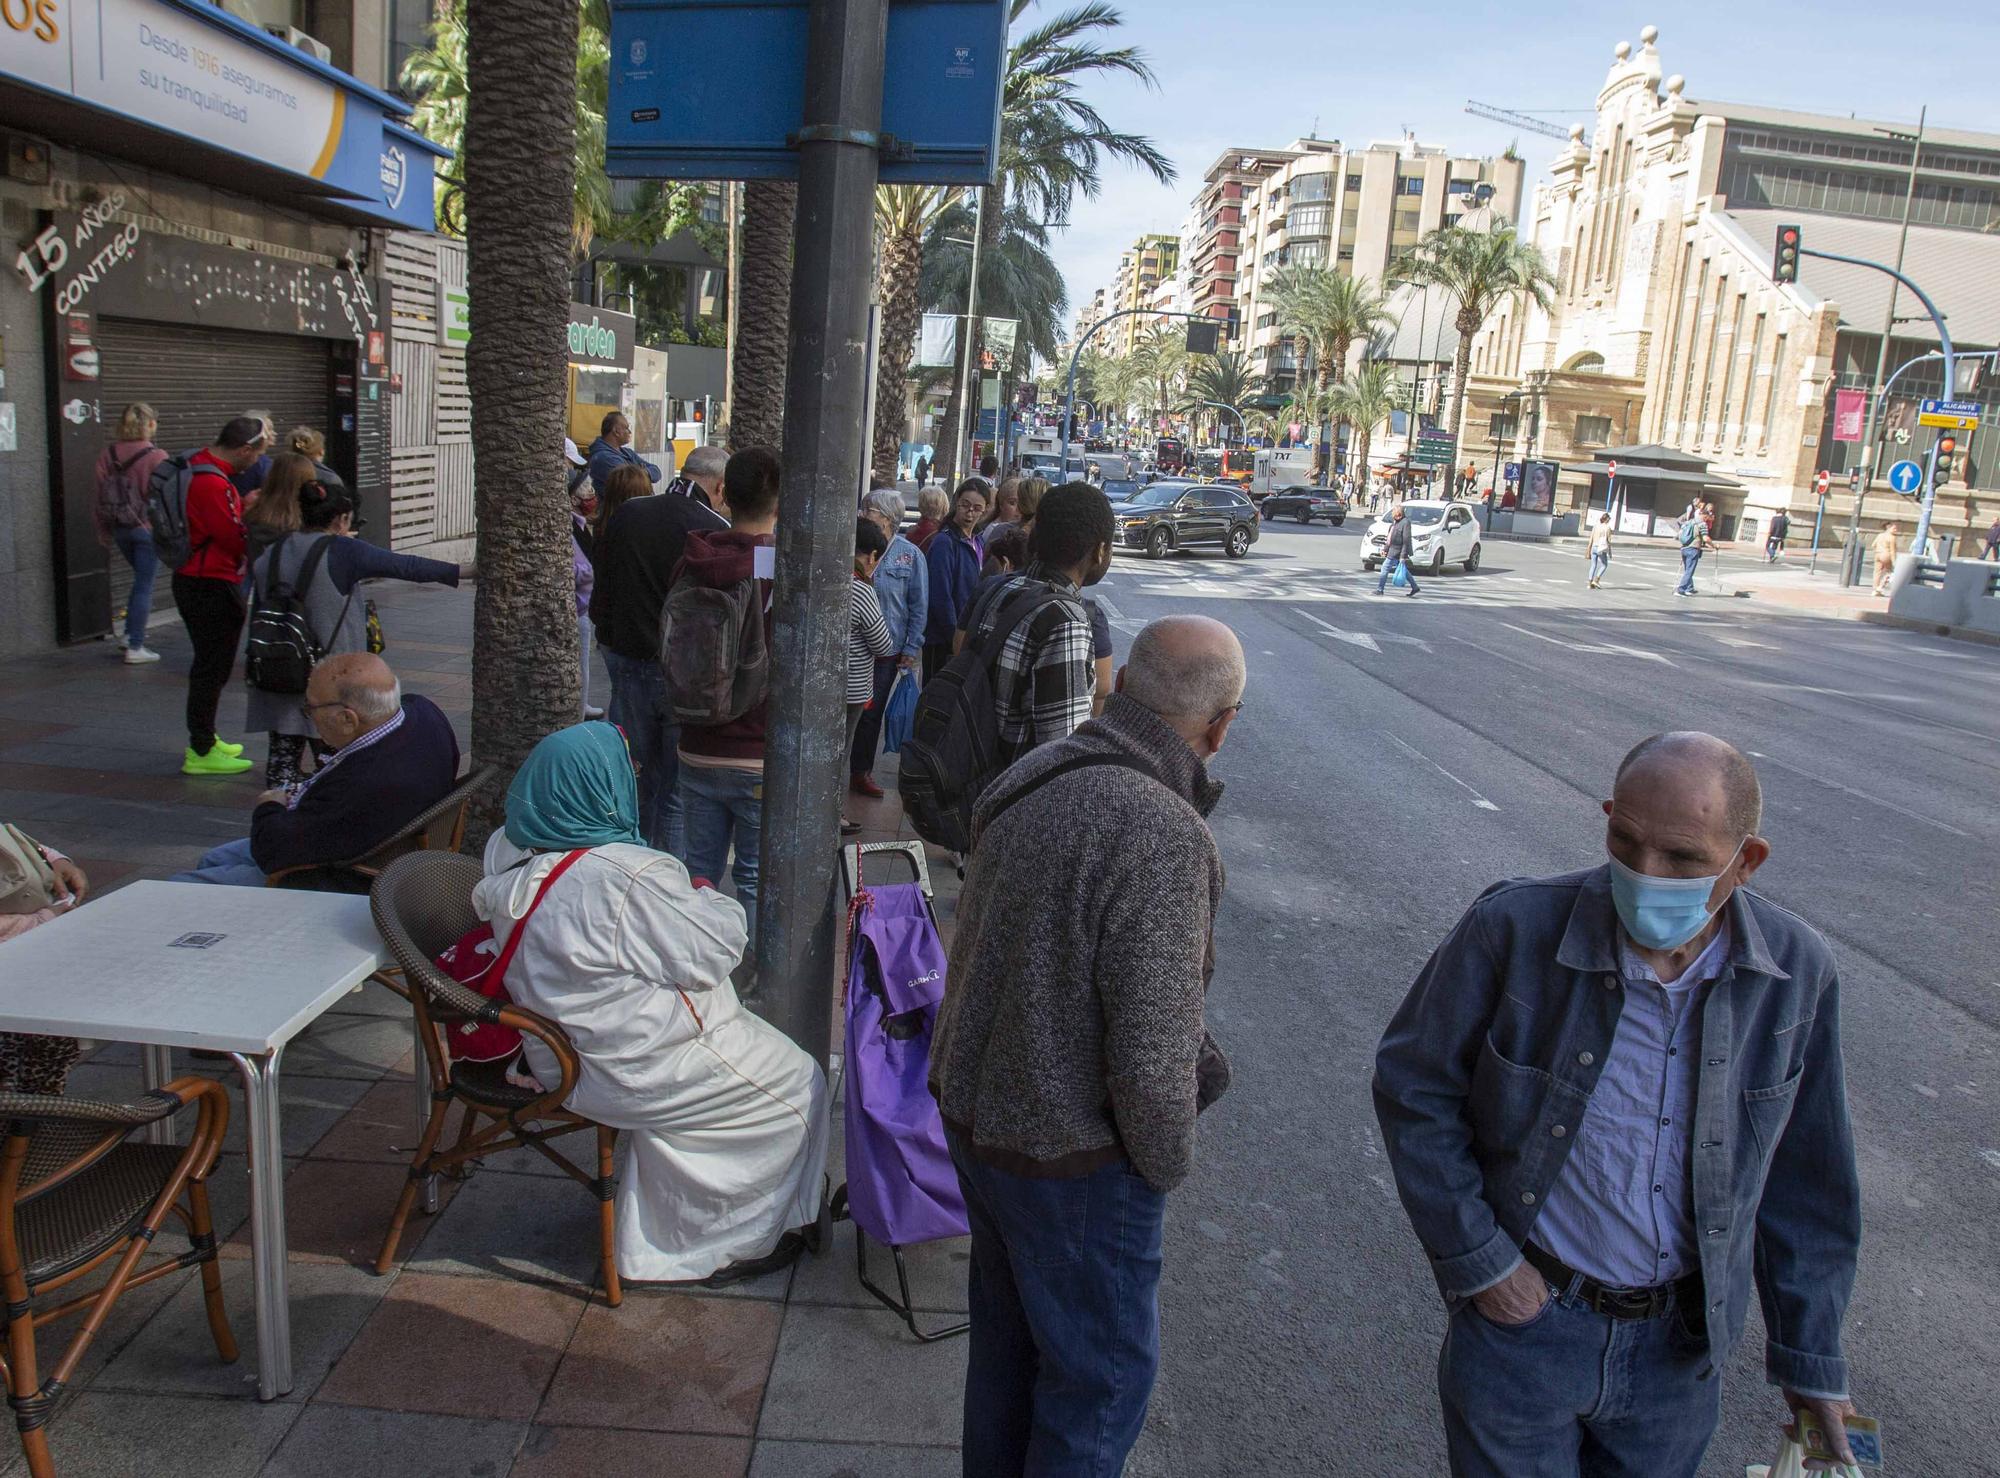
(1070, 1058)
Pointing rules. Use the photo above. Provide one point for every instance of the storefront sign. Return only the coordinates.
(454, 317)
(197, 72)
(600, 338)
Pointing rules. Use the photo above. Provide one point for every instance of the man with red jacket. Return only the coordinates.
(721, 782)
(208, 589)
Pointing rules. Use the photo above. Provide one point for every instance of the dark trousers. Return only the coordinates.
(861, 759)
(212, 611)
(936, 654)
(1064, 1299)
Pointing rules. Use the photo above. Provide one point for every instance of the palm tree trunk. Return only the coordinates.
(1461, 366)
(520, 207)
(902, 315)
(763, 338)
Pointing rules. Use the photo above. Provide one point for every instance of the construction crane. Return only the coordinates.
(1519, 120)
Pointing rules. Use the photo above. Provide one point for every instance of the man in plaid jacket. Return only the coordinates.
(1042, 677)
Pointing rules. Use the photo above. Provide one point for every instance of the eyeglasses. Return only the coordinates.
(306, 709)
(1223, 713)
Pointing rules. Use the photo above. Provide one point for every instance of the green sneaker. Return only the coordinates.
(232, 750)
(215, 762)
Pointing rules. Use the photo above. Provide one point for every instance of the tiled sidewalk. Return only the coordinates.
(486, 1352)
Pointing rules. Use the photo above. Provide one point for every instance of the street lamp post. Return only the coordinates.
(959, 444)
(1076, 354)
(1850, 564)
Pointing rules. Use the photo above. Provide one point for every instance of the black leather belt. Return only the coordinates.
(1615, 1303)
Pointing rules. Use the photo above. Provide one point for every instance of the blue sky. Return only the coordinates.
(1263, 74)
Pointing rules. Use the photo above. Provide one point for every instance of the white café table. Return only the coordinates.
(235, 970)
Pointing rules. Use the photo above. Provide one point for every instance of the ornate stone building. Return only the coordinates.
(1667, 332)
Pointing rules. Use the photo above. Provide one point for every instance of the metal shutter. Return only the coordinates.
(196, 379)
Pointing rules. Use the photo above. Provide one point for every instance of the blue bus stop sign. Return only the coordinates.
(715, 90)
(1906, 477)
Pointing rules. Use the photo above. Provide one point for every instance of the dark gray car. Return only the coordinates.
(1182, 515)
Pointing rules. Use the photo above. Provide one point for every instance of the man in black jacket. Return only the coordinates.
(637, 552)
(390, 759)
(1397, 550)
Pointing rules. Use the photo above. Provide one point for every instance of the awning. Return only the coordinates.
(186, 87)
(1640, 472)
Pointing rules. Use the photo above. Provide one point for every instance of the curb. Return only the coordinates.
(1934, 628)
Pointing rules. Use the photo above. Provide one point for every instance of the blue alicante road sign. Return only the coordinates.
(1906, 477)
(1951, 408)
(715, 90)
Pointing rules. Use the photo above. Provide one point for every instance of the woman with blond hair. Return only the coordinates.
(310, 443)
(933, 507)
(118, 512)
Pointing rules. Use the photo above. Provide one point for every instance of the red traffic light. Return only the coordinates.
(1789, 236)
(1947, 445)
(1785, 258)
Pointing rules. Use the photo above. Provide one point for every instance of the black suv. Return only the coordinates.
(1305, 503)
(1175, 515)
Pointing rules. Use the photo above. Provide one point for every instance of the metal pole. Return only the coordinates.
(825, 389)
(1848, 575)
(961, 445)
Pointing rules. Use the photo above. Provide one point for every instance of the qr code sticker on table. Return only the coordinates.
(197, 941)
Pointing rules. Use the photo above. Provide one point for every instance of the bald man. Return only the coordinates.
(389, 759)
(1613, 1100)
(1070, 1057)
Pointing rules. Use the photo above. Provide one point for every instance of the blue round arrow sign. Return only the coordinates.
(1906, 477)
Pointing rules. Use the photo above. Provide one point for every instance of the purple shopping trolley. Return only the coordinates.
(901, 1188)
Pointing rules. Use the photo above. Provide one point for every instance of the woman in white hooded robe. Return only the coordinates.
(723, 1151)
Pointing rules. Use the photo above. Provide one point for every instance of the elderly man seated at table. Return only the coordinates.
(721, 1165)
(37, 884)
(390, 758)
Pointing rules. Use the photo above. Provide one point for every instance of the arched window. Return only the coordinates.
(1585, 364)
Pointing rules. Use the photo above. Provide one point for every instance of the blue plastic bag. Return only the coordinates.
(899, 712)
(1400, 576)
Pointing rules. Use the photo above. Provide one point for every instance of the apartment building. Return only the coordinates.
(1356, 210)
(1215, 241)
(1671, 351)
(1150, 260)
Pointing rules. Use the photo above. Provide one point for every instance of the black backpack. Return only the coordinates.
(283, 648)
(953, 752)
(167, 511)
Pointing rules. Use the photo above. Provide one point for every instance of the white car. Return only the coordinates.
(1441, 533)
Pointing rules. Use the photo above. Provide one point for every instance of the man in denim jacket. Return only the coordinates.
(1610, 1100)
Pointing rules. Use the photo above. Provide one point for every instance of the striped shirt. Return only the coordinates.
(1042, 678)
(868, 637)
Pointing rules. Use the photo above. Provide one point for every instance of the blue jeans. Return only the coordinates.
(137, 547)
(639, 707)
(1690, 557)
(228, 864)
(1599, 563)
(718, 806)
(1064, 1299)
(1389, 568)
(1576, 1394)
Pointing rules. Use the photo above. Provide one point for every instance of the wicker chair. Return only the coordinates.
(423, 904)
(75, 1195)
(440, 829)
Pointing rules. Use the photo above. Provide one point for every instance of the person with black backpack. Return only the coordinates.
(124, 470)
(304, 608)
(715, 641)
(197, 520)
(1022, 674)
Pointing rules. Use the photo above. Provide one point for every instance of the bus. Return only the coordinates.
(1239, 464)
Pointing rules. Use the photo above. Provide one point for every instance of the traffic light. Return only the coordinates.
(1785, 262)
(1202, 334)
(1947, 448)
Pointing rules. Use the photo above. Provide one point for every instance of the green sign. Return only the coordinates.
(454, 317)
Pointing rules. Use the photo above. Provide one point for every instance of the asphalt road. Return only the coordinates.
(1395, 756)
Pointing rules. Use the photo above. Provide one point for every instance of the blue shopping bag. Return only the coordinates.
(899, 712)
(1400, 576)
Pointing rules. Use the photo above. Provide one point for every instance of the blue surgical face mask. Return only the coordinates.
(1663, 913)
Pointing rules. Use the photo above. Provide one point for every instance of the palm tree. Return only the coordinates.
(1164, 361)
(1327, 311)
(764, 316)
(437, 77)
(1118, 383)
(1053, 143)
(1018, 280)
(1481, 270)
(903, 213)
(520, 203)
(1225, 378)
(1364, 401)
